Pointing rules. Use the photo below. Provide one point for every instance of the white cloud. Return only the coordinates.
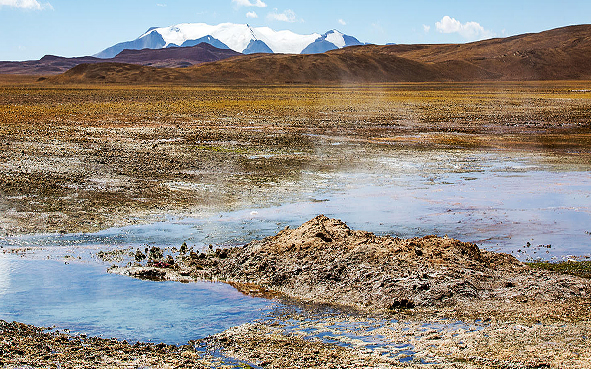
(468, 30)
(256, 3)
(426, 28)
(252, 15)
(286, 16)
(161, 5)
(25, 4)
(342, 22)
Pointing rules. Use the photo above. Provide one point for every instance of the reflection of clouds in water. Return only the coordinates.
(4, 275)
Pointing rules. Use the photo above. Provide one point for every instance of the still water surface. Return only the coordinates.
(85, 299)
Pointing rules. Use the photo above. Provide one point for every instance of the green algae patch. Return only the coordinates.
(577, 268)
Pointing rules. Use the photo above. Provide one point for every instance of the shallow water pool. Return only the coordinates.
(85, 299)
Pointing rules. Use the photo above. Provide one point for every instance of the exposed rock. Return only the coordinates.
(324, 261)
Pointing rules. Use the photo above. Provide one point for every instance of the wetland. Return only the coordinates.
(90, 175)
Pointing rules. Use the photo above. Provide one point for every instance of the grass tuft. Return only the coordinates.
(577, 268)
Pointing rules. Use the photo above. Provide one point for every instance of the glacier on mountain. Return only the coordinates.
(239, 37)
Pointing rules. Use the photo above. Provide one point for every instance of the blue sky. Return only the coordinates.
(30, 29)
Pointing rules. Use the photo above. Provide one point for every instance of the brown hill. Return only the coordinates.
(177, 57)
(557, 54)
(119, 73)
(562, 53)
(47, 65)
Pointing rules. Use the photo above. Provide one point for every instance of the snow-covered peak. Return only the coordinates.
(335, 37)
(236, 36)
(284, 42)
(239, 37)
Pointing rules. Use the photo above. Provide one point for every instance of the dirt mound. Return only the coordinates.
(324, 261)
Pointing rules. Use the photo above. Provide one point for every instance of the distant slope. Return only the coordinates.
(174, 57)
(47, 65)
(558, 54)
(562, 53)
(352, 65)
(359, 65)
(119, 73)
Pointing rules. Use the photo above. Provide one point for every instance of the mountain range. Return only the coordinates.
(559, 54)
(241, 38)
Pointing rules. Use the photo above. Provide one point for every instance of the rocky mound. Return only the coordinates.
(326, 262)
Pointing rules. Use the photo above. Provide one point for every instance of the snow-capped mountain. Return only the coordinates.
(329, 41)
(239, 37)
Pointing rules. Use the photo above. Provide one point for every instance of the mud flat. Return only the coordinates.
(25, 346)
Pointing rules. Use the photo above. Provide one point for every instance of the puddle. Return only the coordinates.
(375, 335)
(85, 299)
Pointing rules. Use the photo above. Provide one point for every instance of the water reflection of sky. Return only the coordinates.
(4, 276)
(85, 299)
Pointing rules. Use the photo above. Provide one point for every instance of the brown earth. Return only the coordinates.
(496, 344)
(25, 346)
(559, 54)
